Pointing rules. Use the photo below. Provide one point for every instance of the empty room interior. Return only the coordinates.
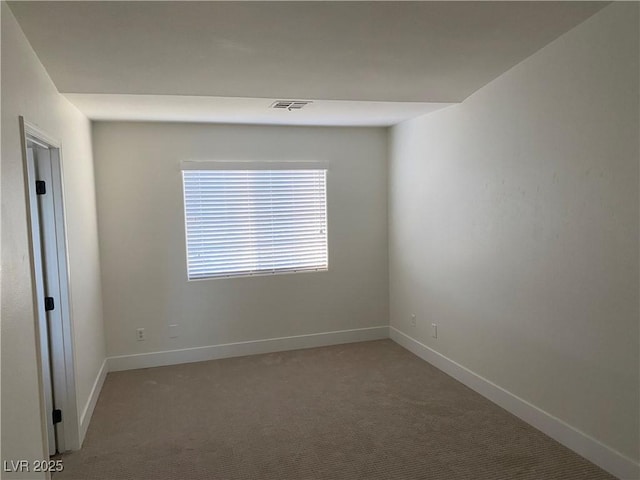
(320, 240)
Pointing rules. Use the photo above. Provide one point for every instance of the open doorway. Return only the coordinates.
(43, 173)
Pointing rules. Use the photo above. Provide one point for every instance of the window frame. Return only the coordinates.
(266, 165)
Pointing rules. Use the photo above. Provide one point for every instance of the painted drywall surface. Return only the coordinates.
(28, 91)
(514, 227)
(141, 225)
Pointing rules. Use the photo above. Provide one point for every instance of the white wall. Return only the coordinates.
(141, 224)
(27, 90)
(514, 227)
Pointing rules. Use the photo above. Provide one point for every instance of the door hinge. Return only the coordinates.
(41, 187)
(57, 416)
(49, 304)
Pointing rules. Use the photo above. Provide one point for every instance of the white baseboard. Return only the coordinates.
(85, 418)
(581, 443)
(212, 352)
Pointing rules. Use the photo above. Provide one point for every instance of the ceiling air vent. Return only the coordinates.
(289, 104)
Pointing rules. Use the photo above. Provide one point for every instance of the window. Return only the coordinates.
(249, 222)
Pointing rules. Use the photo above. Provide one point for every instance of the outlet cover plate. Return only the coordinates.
(173, 331)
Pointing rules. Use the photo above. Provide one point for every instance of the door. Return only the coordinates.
(50, 272)
(41, 226)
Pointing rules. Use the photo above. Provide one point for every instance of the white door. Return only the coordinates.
(40, 224)
(42, 156)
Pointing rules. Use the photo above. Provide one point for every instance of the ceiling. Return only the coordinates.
(181, 108)
(404, 55)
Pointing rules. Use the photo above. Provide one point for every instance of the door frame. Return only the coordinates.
(62, 363)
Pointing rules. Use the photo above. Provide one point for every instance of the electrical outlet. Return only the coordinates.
(413, 319)
(434, 330)
(140, 334)
(173, 331)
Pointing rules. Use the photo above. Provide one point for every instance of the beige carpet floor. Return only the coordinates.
(360, 411)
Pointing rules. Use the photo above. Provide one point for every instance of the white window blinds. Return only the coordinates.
(247, 222)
